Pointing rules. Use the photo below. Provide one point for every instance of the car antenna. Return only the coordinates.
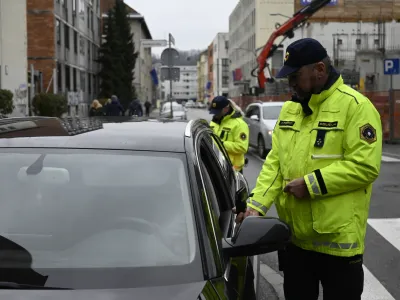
(37, 166)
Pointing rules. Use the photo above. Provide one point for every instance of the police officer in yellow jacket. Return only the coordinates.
(229, 125)
(326, 153)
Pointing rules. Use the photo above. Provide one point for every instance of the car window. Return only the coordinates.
(97, 210)
(223, 189)
(249, 111)
(271, 112)
(256, 111)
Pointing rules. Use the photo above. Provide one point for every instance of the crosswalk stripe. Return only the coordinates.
(389, 229)
(373, 289)
(389, 159)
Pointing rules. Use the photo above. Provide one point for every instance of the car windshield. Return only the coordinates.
(100, 210)
(271, 112)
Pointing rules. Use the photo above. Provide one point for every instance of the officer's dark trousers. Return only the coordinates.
(342, 278)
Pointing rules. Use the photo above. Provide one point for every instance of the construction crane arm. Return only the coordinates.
(285, 30)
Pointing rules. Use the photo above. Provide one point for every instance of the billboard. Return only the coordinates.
(306, 2)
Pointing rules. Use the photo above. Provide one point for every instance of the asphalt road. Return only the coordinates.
(382, 254)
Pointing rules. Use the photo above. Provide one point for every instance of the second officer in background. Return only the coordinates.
(229, 125)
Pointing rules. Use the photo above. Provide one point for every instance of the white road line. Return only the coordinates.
(389, 159)
(373, 289)
(389, 229)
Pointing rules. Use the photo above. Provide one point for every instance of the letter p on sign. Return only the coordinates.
(391, 66)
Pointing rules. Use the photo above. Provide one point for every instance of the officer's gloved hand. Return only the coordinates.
(243, 215)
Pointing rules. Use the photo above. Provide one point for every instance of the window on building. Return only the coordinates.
(90, 84)
(211, 68)
(88, 51)
(75, 42)
(66, 36)
(83, 81)
(225, 81)
(82, 45)
(94, 83)
(358, 41)
(88, 16)
(226, 44)
(225, 62)
(58, 32)
(59, 77)
(340, 42)
(68, 78)
(74, 81)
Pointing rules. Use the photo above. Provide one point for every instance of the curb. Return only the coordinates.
(274, 278)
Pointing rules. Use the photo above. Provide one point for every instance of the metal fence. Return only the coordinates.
(387, 103)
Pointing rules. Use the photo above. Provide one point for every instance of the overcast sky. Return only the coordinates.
(193, 23)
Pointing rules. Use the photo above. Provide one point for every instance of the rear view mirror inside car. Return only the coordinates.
(48, 175)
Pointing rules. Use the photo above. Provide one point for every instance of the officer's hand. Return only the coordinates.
(241, 216)
(297, 188)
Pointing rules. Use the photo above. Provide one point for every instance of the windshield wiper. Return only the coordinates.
(4, 285)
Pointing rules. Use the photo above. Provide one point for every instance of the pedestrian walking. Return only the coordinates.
(326, 153)
(147, 106)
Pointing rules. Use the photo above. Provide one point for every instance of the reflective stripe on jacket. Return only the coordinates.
(234, 133)
(337, 149)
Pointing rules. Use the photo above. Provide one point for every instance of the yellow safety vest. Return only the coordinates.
(234, 133)
(337, 149)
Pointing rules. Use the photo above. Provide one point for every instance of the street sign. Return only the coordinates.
(391, 66)
(175, 74)
(153, 43)
(169, 57)
(307, 2)
(171, 38)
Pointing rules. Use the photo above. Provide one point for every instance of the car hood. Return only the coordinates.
(270, 123)
(173, 292)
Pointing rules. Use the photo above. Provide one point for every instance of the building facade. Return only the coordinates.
(63, 45)
(186, 88)
(210, 72)
(13, 53)
(221, 64)
(250, 25)
(202, 76)
(144, 63)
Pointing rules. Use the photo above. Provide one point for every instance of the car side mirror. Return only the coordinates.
(255, 118)
(257, 235)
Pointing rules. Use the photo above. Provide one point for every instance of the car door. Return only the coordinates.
(220, 186)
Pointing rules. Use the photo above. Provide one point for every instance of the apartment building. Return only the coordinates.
(63, 44)
(210, 75)
(250, 25)
(13, 53)
(186, 88)
(202, 76)
(221, 64)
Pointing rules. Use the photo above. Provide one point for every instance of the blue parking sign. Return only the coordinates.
(391, 66)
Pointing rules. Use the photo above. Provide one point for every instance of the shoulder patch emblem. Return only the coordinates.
(243, 136)
(368, 133)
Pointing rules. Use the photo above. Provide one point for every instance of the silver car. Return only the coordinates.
(261, 118)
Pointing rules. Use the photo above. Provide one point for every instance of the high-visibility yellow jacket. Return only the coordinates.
(234, 133)
(337, 149)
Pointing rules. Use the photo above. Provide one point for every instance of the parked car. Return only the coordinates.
(190, 104)
(178, 111)
(261, 118)
(122, 208)
(200, 105)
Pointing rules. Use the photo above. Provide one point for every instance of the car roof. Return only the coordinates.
(119, 133)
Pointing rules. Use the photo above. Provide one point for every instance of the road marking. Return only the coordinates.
(389, 229)
(389, 159)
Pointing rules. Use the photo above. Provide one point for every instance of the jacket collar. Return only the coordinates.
(334, 81)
